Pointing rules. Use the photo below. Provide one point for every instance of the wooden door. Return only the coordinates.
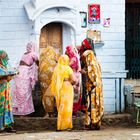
(51, 35)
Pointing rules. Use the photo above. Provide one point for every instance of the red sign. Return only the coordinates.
(94, 13)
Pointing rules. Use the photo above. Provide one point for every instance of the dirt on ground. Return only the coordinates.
(106, 133)
(43, 124)
(114, 127)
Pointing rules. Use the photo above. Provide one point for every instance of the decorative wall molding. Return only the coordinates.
(33, 11)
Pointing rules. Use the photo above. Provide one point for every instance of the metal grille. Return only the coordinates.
(132, 42)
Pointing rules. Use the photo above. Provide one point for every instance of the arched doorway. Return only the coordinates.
(57, 34)
(51, 35)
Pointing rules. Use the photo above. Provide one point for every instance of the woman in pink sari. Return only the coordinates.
(25, 81)
(75, 65)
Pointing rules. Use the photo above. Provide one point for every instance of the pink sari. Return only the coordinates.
(24, 83)
(75, 65)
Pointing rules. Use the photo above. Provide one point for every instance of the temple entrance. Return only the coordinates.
(51, 35)
(57, 35)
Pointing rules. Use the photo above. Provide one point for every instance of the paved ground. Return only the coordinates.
(106, 133)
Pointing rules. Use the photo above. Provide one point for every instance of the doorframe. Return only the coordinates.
(38, 26)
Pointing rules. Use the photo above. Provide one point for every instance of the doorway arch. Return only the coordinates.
(52, 15)
(66, 33)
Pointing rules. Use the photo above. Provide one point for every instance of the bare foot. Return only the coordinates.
(22, 117)
(46, 116)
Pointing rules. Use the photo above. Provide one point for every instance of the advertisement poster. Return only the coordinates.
(94, 13)
(106, 22)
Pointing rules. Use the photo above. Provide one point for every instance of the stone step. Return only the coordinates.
(39, 123)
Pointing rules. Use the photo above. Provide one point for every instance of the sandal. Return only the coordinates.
(9, 130)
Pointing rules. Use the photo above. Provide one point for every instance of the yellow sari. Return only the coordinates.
(62, 89)
(48, 61)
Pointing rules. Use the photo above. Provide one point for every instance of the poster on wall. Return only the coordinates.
(94, 13)
(83, 19)
(106, 22)
(94, 35)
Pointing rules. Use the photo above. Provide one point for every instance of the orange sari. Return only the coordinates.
(48, 61)
(95, 107)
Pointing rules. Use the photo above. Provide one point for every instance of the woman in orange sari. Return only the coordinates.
(47, 63)
(92, 95)
(62, 89)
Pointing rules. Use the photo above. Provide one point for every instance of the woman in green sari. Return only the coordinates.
(6, 115)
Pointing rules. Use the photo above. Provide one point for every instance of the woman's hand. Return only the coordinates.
(9, 78)
(72, 61)
(72, 79)
(37, 62)
(5, 79)
(82, 71)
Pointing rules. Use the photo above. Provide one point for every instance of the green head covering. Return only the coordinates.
(3, 58)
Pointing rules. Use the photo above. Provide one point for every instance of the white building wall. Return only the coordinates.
(16, 31)
(14, 28)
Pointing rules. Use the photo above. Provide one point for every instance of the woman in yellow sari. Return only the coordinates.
(48, 61)
(62, 89)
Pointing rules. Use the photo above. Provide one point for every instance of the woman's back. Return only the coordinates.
(29, 58)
